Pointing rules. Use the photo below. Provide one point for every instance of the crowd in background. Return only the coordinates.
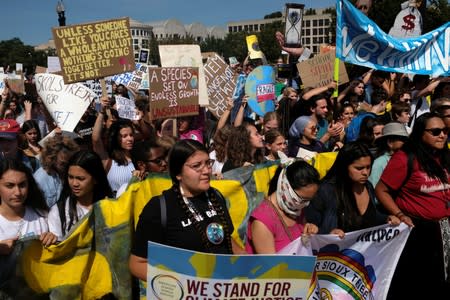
(390, 132)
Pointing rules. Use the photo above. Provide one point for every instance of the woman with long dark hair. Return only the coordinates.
(116, 153)
(84, 185)
(196, 216)
(346, 199)
(415, 187)
(23, 210)
(32, 135)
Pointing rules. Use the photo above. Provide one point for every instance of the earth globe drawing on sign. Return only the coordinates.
(260, 89)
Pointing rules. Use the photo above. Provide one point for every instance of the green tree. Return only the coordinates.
(15, 51)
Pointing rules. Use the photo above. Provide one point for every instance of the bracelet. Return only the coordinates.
(399, 214)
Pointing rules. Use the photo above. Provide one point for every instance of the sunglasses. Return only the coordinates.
(437, 131)
(157, 161)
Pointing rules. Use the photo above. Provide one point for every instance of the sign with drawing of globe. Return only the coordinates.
(260, 88)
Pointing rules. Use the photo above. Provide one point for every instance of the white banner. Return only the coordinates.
(359, 266)
(65, 102)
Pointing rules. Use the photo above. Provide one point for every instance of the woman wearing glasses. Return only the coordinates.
(196, 216)
(418, 193)
(346, 199)
(279, 219)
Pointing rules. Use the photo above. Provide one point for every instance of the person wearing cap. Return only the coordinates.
(9, 131)
(393, 137)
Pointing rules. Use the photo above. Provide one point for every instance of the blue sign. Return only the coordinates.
(260, 88)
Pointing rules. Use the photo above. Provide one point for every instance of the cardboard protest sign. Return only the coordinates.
(174, 273)
(138, 79)
(319, 70)
(14, 82)
(40, 69)
(260, 88)
(126, 108)
(95, 86)
(94, 50)
(220, 83)
(186, 56)
(173, 92)
(65, 102)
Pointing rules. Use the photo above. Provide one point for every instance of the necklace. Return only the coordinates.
(214, 232)
(193, 210)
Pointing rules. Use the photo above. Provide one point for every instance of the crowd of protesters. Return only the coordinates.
(395, 125)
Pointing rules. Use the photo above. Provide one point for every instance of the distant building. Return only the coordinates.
(141, 34)
(173, 28)
(315, 29)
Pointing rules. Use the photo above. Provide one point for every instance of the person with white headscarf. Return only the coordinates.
(278, 219)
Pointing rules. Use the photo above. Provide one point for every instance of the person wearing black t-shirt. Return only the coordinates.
(196, 214)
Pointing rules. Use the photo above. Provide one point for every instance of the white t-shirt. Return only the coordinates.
(33, 223)
(54, 221)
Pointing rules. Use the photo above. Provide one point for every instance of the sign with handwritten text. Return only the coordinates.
(220, 83)
(94, 50)
(138, 79)
(319, 70)
(95, 86)
(173, 92)
(65, 102)
(126, 108)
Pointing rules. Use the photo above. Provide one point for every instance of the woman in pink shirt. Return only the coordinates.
(278, 219)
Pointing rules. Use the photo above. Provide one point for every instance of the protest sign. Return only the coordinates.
(65, 102)
(95, 86)
(143, 56)
(126, 108)
(138, 79)
(40, 69)
(53, 65)
(174, 273)
(319, 70)
(260, 89)
(359, 266)
(186, 56)
(174, 92)
(220, 83)
(253, 47)
(94, 50)
(15, 82)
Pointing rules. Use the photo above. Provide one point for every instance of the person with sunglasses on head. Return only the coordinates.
(419, 195)
(279, 219)
(194, 216)
(346, 199)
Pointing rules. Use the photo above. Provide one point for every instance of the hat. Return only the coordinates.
(299, 126)
(394, 129)
(9, 129)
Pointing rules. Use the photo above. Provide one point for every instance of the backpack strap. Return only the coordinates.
(162, 204)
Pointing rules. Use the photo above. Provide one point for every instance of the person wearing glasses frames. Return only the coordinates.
(346, 199)
(196, 215)
(279, 219)
(421, 200)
